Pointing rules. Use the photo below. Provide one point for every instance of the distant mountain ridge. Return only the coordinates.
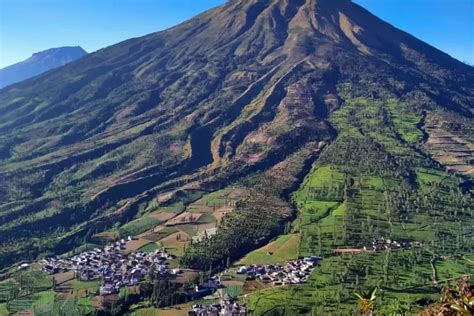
(39, 63)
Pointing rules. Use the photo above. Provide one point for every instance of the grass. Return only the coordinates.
(139, 226)
(340, 210)
(147, 312)
(163, 233)
(149, 247)
(176, 207)
(448, 269)
(316, 210)
(174, 246)
(324, 176)
(44, 298)
(36, 280)
(188, 196)
(233, 290)
(3, 309)
(405, 122)
(190, 230)
(82, 285)
(218, 198)
(207, 219)
(214, 200)
(8, 290)
(78, 306)
(81, 248)
(37, 300)
(373, 182)
(86, 305)
(284, 248)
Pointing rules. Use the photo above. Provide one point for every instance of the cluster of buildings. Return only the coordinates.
(292, 272)
(112, 266)
(388, 244)
(227, 306)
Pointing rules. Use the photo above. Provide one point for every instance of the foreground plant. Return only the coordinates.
(466, 307)
(458, 301)
(366, 302)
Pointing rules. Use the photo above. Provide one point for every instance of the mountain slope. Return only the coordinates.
(235, 90)
(39, 63)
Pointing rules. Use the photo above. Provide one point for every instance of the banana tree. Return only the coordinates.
(366, 301)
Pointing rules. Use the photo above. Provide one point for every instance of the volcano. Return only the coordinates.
(236, 91)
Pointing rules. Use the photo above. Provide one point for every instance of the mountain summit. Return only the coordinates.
(39, 63)
(242, 88)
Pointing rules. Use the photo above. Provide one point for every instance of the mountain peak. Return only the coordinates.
(38, 63)
(62, 50)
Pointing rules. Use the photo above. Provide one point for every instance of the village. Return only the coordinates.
(112, 265)
(379, 244)
(292, 272)
(227, 306)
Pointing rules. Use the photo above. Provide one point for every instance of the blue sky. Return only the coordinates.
(28, 26)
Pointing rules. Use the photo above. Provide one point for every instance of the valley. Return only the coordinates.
(261, 133)
(354, 193)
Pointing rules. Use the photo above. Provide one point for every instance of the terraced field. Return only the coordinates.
(352, 196)
(453, 151)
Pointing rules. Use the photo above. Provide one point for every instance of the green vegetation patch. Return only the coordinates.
(3, 309)
(83, 285)
(372, 182)
(8, 290)
(139, 226)
(404, 277)
(284, 248)
(175, 207)
(81, 248)
(34, 301)
(163, 233)
(206, 219)
(233, 290)
(34, 281)
(149, 247)
(405, 121)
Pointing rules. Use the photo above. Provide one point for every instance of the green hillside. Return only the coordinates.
(353, 195)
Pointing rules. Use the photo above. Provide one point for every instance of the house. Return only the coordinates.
(242, 270)
(23, 266)
(106, 290)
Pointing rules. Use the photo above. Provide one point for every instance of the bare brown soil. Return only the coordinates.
(134, 245)
(452, 151)
(162, 216)
(348, 250)
(178, 310)
(221, 212)
(184, 218)
(232, 282)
